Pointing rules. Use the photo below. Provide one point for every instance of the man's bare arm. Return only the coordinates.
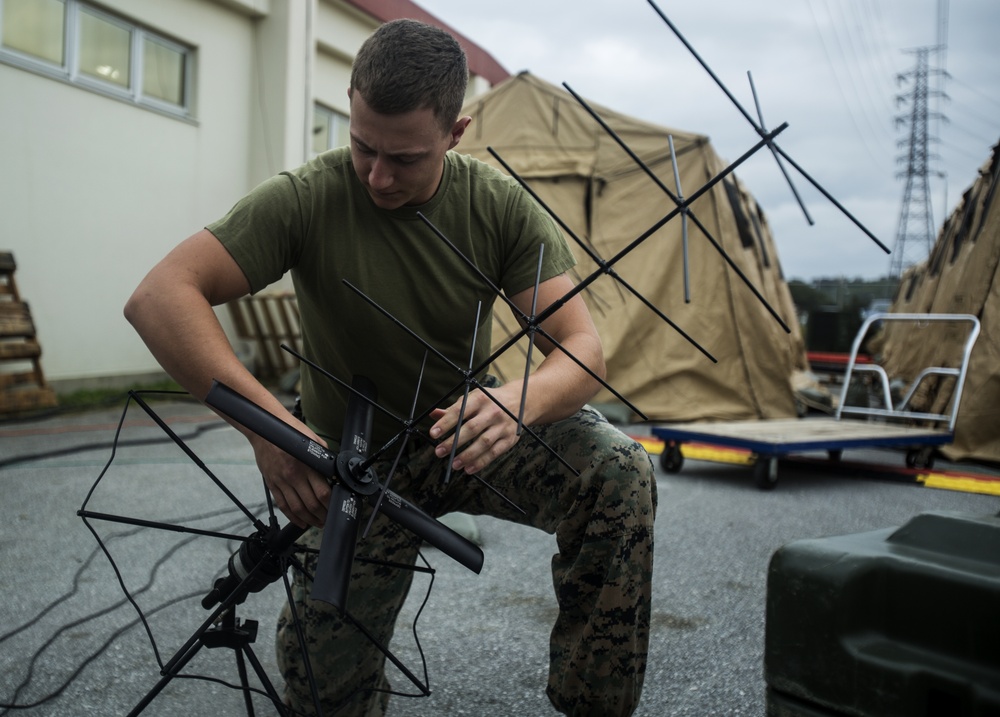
(171, 310)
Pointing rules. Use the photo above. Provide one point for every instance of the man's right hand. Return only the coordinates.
(299, 492)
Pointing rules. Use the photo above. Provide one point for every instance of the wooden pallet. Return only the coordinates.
(269, 320)
(22, 384)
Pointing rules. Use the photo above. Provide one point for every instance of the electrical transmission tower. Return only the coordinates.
(915, 231)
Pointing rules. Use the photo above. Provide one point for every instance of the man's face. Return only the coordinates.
(399, 158)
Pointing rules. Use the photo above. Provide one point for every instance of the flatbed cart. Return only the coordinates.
(884, 426)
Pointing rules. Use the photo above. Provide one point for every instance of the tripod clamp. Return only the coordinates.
(256, 564)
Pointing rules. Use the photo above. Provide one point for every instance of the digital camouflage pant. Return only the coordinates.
(603, 523)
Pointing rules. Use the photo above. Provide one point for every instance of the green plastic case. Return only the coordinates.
(892, 623)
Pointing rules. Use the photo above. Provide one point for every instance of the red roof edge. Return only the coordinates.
(480, 62)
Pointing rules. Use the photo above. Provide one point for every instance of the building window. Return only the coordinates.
(35, 27)
(104, 49)
(163, 71)
(73, 41)
(330, 129)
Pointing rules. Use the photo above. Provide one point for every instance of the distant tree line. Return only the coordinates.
(831, 310)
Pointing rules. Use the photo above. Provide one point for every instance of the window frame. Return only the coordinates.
(70, 71)
(186, 62)
(330, 114)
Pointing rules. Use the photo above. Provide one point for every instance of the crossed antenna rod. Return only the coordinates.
(531, 339)
(456, 437)
(408, 424)
(774, 152)
(759, 129)
(402, 449)
(683, 206)
(530, 325)
(605, 265)
(469, 375)
(686, 210)
(684, 218)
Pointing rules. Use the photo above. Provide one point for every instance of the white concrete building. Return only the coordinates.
(127, 125)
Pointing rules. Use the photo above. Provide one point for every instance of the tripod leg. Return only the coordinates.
(177, 664)
(262, 676)
(300, 636)
(241, 668)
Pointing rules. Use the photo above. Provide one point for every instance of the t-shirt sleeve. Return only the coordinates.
(533, 227)
(264, 230)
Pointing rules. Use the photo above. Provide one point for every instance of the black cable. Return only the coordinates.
(346, 701)
(93, 656)
(130, 596)
(72, 450)
(102, 546)
(74, 589)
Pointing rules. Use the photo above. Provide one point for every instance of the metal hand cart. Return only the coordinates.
(885, 426)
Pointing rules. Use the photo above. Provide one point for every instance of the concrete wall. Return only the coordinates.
(340, 30)
(95, 190)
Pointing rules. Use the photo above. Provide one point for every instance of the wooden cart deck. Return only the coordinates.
(771, 439)
(788, 435)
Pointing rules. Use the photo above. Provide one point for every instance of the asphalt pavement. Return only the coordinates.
(72, 643)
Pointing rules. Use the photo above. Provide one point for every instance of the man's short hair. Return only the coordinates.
(409, 65)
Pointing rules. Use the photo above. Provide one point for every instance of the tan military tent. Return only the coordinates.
(961, 276)
(582, 174)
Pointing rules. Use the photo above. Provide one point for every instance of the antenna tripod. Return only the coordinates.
(230, 633)
(262, 559)
(265, 556)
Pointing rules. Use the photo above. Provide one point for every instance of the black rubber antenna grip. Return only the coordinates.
(340, 531)
(432, 531)
(267, 426)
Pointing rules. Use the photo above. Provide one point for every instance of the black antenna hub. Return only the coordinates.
(351, 471)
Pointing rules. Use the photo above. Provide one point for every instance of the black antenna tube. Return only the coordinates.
(300, 446)
(264, 424)
(340, 532)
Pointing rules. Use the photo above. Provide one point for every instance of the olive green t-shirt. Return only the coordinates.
(319, 223)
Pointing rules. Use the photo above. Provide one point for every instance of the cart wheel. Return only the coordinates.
(765, 472)
(671, 459)
(835, 454)
(920, 457)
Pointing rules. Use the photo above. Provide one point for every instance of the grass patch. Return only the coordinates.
(90, 398)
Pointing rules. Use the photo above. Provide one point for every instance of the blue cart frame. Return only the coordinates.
(886, 426)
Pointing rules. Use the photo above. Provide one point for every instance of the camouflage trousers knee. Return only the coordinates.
(601, 513)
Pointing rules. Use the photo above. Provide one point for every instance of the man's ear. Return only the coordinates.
(458, 130)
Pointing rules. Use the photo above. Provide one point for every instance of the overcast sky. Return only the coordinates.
(826, 67)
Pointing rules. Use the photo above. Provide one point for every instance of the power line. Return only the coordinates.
(865, 137)
(864, 53)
